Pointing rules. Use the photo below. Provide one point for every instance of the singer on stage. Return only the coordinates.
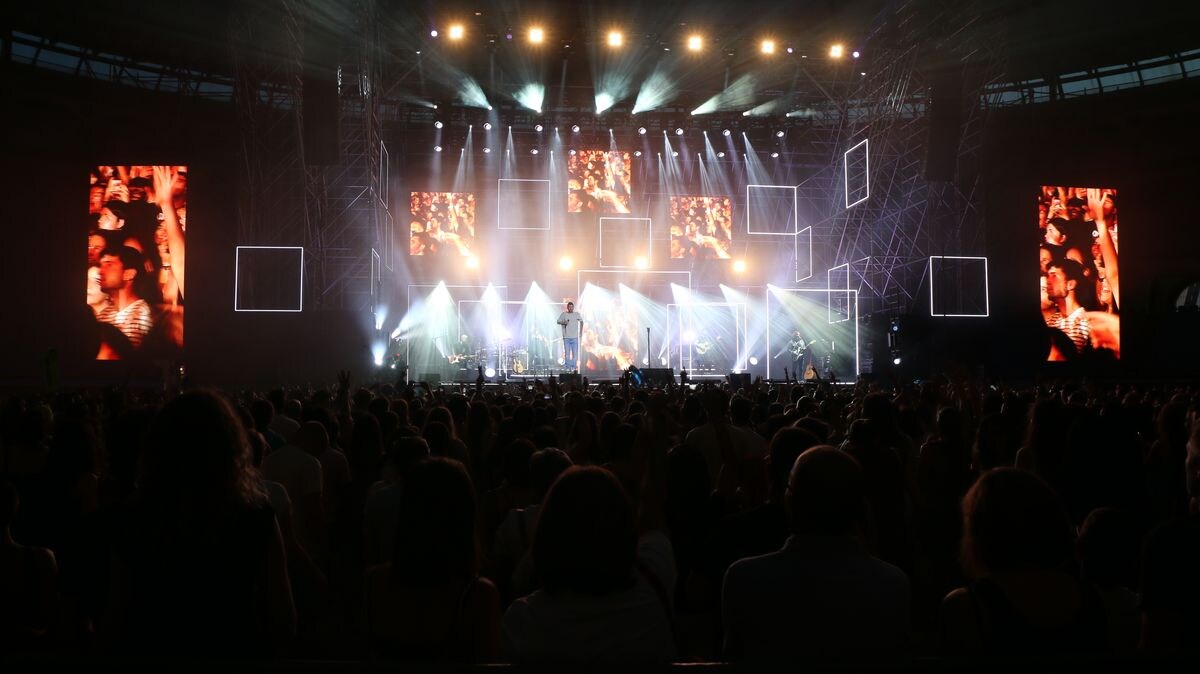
(572, 327)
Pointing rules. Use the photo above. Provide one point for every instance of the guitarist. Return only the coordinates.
(462, 351)
(798, 347)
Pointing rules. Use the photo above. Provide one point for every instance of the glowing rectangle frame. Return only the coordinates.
(987, 300)
(237, 260)
(795, 210)
(579, 275)
(796, 272)
(741, 364)
(407, 345)
(549, 202)
(830, 291)
(600, 240)
(857, 362)
(846, 172)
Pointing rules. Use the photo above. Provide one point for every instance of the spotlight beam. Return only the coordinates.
(738, 95)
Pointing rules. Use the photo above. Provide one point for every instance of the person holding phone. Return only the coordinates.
(572, 327)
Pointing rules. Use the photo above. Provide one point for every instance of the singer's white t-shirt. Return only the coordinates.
(573, 320)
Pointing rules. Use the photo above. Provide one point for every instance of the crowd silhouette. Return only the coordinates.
(778, 524)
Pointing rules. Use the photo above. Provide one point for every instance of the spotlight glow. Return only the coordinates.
(695, 43)
(490, 372)
(536, 35)
(615, 38)
(456, 31)
(779, 134)
(721, 154)
(774, 155)
(641, 262)
(604, 101)
(855, 54)
(726, 133)
(565, 263)
(739, 266)
(678, 131)
(437, 124)
(433, 33)
(641, 130)
(437, 148)
(487, 150)
(767, 46)
(538, 128)
(533, 151)
(674, 153)
(531, 96)
(472, 262)
(753, 360)
(836, 51)
(487, 126)
(574, 128)
(896, 360)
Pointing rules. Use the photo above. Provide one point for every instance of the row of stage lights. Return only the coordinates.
(487, 126)
(567, 263)
(615, 39)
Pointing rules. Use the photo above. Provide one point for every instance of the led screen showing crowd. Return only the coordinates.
(599, 181)
(137, 229)
(609, 342)
(443, 223)
(701, 227)
(1080, 279)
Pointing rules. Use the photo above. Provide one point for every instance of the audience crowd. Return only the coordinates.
(774, 524)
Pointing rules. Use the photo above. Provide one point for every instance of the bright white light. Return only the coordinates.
(836, 51)
(437, 124)
(487, 150)
(753, 360)
(896, 360)
(641, 130)
(531, 96)
(487, 126)
(377, 352)
(774, 155)
(641, 262)
(433, 33)
(662, 361)
(572, 152)
(456, 31)
(574, 128)
(855, 54)
(678, 131)
(538, 128)
(779, 134)
(739, 266)
(695, 43)
(565, 263)
(536, 35)
(721, 154)
(490, 372)
(604, 102)
(767, 47)
(646, 361)
(674, 153)
(615, 38)
(637, 153)
(689, 336)
(472, 263)
(437, 148)
(791, 50)
(726, 133)
(533, 151)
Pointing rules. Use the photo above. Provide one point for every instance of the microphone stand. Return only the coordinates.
(647, 346)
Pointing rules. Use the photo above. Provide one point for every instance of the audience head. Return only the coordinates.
(786, 446)
(435, 534)
(545, 465)
(586, 540)
(826, 495)
(1013, 521)
(312, 438)
(516, 462)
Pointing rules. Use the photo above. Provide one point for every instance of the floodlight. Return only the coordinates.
(767, 46)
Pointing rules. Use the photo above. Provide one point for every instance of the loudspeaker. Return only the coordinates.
(945, 122)
(658, 376)
(319, 98)
(570, 379)
(432, 378)
(739, 380)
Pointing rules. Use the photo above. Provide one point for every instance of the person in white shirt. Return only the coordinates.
(572, 327)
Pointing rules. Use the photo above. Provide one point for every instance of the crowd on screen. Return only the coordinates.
(599, 181)
(773, 524)
(701, 227)
(137, 223)
(442, 222)
(1080, 282)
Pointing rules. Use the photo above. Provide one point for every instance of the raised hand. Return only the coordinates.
(164, 184)
(343, 380)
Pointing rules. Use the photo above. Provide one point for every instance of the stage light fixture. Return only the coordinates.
(739, 266)
(433, 33)
(487, 150)
(536, 35)
(695, 43)
(565, 263)
(641, 130)
(767, 46)
(615, 38)
(574, 128)
(774, 155)
(472, 262)
(721, 154)
(438, 124)
(490, 372)
(533, 151)
(791, 50)
(674, 153)
(538, 128)
(456, 31)
(437, 148)
(637, 153)
(836, 51)
(641, 262)
(779, 134)
(487, 126)
(678, 131)
(855, 54)
(572, 152)
(753, 360)
(726, 133)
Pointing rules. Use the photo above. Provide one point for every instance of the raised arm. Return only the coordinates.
(1108, 250)
(164, 181)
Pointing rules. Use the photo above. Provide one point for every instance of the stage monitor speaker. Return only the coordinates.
(945, 124)
(658, 376)
(319, 97)
(570, 379)
(739, 380)
(431, 378)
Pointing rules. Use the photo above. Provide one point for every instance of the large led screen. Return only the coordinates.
(443, 223)
(599, 181)
(1079, 275)
(701, 227)
(137, 229)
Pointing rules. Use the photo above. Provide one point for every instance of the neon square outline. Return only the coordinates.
(987, 299)
(795, 210)
(237, 262)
